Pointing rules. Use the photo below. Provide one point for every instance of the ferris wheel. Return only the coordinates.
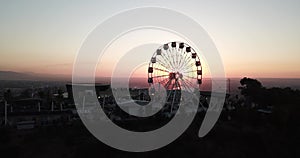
(175, 66)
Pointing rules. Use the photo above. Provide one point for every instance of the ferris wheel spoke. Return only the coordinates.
(190, 87)
(160, 76)
(163, 81)
(168, 61)
(183, 63)
(185, 85)
(158, 79)
(164, 62)
(190, 71)
(168, 84)
(160, 69)
(188, 78)
(166, 65)
(173, 58)
(176, 54)
(180, 58)
(190, 83)
(186, 55)
(186, 61)
(186, 65)
(167, 56)
(190, 64)
(191, 77)
(176, 58)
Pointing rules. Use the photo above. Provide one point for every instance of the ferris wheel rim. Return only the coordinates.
(174, 67)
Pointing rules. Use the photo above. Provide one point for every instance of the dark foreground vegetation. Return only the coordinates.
(264, 122)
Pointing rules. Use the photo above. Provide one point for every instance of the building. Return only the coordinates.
(101, 89)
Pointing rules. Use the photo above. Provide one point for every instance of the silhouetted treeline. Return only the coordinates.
(263, 123)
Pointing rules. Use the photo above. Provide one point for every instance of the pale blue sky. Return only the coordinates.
(255, 38)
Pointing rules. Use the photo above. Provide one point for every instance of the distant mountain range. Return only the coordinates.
(11, 75)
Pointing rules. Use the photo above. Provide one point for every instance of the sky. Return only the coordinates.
(254, 38)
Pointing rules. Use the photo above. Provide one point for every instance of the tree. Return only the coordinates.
(253, 91)
(250, 86)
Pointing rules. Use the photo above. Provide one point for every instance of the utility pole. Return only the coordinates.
(104, 100)
(52, 105)
(229, 85)
(83, 103)
(61, 106)
(39, 106)
(5, 112)
(7, 99)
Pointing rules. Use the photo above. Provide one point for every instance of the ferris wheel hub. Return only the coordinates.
(175, 75)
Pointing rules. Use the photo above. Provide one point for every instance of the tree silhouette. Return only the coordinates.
(253, 91)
